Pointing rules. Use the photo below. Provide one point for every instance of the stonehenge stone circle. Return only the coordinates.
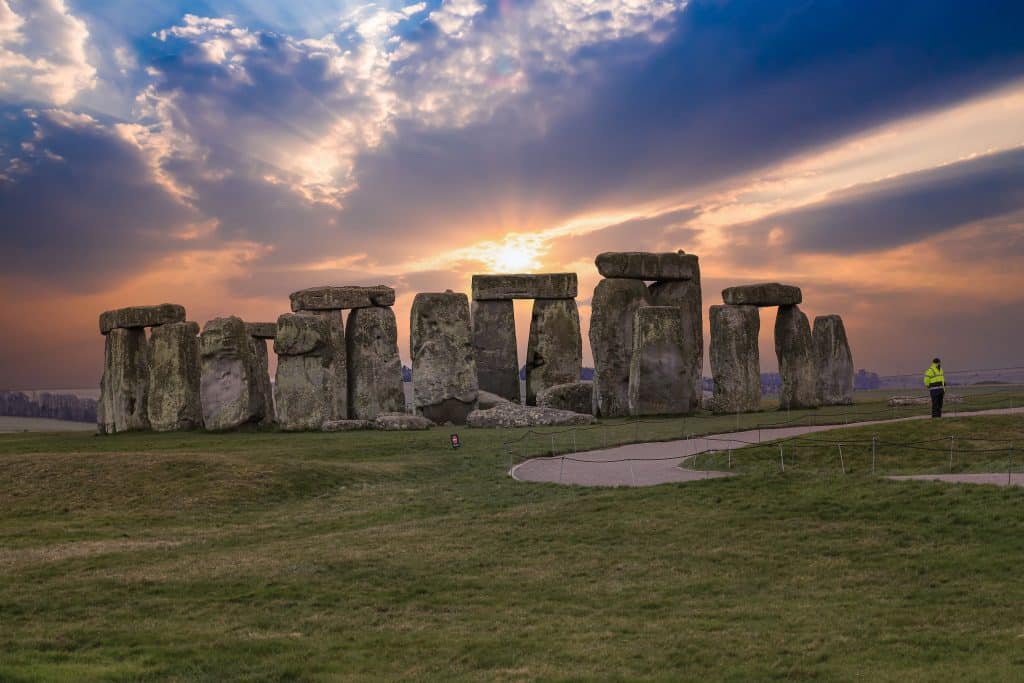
(795, 350)
(735, 361)
(554, 354)
(659, 381)
(612, 310)
(173, 401)
(686, 296)
(124, 387)
(494, 345)
(763, 294)
(518, 286)
(374, 367)
(341, 298)
(302, 390)
(577, 397)
(833, 361)
(516, 415)
(229, 387)
(443, 359)
(641, 265)
(141, 316)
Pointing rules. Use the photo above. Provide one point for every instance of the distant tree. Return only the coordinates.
(866, 380)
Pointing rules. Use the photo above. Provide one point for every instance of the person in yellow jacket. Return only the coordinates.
(936, 383)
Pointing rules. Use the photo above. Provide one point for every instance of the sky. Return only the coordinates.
(222, 154)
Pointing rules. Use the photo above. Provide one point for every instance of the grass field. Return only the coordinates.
(268, 556)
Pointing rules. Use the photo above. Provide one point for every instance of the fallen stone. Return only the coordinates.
(833, 361)
(341, 298)
(494, 345)
(262, 330)
(173, 403)
(686, 296)
(337, 370)
(141, 316)
(554, 353)
(645, 265)
(374, 368)
(519, 286)
(444, 381)
(612, 310)
(400, 422)
(764, 294)
(346, 425)
(263, 383)
(795, 349)
(897, 401)
(577, 397)
(229, 376)
(735, 360)
(302, 390)
(516, 415)
(485, 400)
(659, 382)
(124, 387)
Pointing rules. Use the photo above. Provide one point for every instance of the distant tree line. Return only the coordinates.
(53, 406)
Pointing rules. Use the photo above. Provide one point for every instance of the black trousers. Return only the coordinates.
(937, 396)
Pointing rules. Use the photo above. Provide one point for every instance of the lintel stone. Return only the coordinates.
(341, 298)
(763, 294)
(523, 286)
(135, 317)
(645, 265)
(261, 330)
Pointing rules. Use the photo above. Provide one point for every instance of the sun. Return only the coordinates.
(515, 256)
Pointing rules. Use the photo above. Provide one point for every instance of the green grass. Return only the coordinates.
(274, 557)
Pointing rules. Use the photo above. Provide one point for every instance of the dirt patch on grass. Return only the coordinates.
(11, 557)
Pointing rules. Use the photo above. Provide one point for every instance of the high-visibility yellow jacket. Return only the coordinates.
(933, 377)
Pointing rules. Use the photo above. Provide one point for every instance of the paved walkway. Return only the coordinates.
(649, 464)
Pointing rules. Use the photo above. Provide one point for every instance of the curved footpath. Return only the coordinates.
(649, 464)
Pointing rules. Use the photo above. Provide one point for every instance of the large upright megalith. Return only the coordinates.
(303, 383)
(229, 385)
(554, 353)
(686, 296)
(735, 360)
(795, 350)
(612, 312)
(444, 376)
(659, 382)
(259, 334)
(173, 402)
(337, 370)
(494, 345)
(374, 367)
(833, 361)
(124, 387)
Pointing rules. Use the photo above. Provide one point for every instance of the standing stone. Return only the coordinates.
(494, 343)
(444, 381)
(795, 350)
(554, 353)
(124, 387)
(338, 370)
(228, 382)
(266, 389)
(735, 360)
(302, 389)
(833, 361)
(374, 368)
(173, 402)
(612, 311)
(659, 382)
(686, 296)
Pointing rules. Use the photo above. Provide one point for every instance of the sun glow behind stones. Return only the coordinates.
(514, 255)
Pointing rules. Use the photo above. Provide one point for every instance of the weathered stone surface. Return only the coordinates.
(833, 361)
(795, 350)
(338, 367)
(173, 402)
(516, 415)
(346, 425)
(262, 330)
(659, 382)
(577, 397)
(645, 265)
(124, 387)
(735, 359)
(302, 390)
(520, 286)
(264, 386)
(686, 296)
(444, 382)
(485, 400)
(374, 368)
(763, 294)
(554, 354)
(141, 316)
(494, 344)
(341, 298)
(612, 311)
(228, 383)
(400, 422)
